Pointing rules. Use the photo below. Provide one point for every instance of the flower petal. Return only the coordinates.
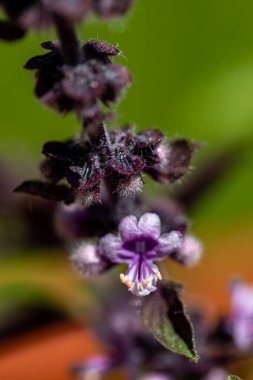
(150, 224)
(110, 247)
(128, 228)
(141, 277)
(168, 243)
(141, 291)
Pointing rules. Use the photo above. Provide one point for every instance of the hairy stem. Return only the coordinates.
(69, 42)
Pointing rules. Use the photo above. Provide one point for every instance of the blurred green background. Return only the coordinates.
(192, 64)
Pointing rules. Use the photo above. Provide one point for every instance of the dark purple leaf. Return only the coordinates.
(53, 170)
(47, 191)
(102, 47)
(39, 61)
(10, 31)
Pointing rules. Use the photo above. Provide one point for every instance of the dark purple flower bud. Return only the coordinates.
(147, 142)
(117, 77)
(25, 14)
(81, 86)
(173, 160)
(53, 170)
(123, 163)
(88, 259)
(112, 8)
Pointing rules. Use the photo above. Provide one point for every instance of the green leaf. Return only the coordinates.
(233, 377)
(164, 314)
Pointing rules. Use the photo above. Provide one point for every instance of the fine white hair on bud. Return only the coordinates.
(131, 185)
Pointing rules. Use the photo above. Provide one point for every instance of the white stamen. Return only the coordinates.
(159, 276)
(145, 283)
(124, 279)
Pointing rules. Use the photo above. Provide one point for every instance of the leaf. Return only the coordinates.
(46, 190)
(164, 314)
(233, 377)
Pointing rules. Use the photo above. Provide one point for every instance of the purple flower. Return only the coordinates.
(190, 251)
(139, 244)
(94, 368)
(216, 374)
(87, 259)
(155, 376)
(240, 322)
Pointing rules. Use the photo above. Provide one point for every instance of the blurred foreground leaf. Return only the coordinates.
(233, 377)
(23, 306)
(164, 314)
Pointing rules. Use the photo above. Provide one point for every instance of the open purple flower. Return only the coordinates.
(139, 244)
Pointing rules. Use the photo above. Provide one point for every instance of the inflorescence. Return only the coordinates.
(97, 177)
(102, 164)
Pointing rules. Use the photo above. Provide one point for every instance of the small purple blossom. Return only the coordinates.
(139, 244)
(87, 259)
(94, 368)
(216, 374)
(240, 322)
(155, 376)
(190, 251)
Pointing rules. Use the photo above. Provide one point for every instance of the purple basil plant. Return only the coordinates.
(139, 244)
(96, 177)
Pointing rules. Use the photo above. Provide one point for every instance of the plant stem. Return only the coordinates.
(69, 42)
